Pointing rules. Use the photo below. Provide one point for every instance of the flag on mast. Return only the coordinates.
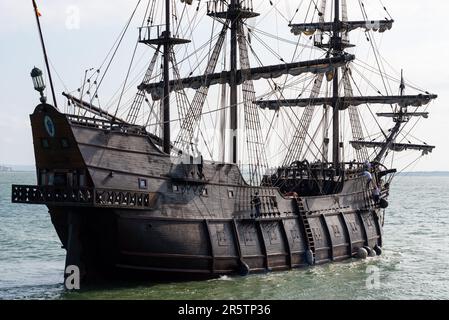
(36, 9)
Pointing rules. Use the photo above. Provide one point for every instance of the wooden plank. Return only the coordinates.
(211, 245)
(348, 233)
(362, 223)
(263, 244)
(237, 239)
(168, 270)
(378, 229)
(287, 241)
(328, 234)
(166, 255)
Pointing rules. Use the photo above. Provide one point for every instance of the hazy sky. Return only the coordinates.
(418, 43)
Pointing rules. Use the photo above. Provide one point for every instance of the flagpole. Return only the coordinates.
(36, 12)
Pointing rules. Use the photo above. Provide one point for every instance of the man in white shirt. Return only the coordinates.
(368, 177)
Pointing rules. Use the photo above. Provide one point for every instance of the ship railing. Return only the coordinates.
(79, 197)
(352, 165)
(313, 170)
(219, 6)
(91, 122)
(215, 6)
(154, 33)
(105, 124)
(151, 32)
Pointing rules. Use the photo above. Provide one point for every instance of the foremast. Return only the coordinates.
(338, 30)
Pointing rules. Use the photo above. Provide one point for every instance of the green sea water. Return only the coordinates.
(414, 265)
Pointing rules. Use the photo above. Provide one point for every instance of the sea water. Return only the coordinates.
(414, 264)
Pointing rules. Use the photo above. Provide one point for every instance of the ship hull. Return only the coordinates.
(110, 243)
(120, 206)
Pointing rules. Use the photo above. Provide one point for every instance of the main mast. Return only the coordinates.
(337, 48)
(234, 13)
(166, 104)
(233, 80)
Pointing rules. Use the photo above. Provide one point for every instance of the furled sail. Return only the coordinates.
(345, 102)
(404, 114)
(425, 148)
(267, 72)
(346, 26)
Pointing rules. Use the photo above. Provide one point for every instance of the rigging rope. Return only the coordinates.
(140, 96)
(117, 47)
(255, 146)
(185, 136)
(354, 117)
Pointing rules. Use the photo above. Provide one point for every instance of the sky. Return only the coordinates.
(79, 33)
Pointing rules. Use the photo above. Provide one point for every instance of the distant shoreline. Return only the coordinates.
(425, 173)
(20, 168)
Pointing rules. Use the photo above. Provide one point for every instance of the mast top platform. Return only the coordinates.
(156, 35)
(222, 10)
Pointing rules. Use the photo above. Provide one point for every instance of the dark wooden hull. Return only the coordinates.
(188, 224)
(114, 243)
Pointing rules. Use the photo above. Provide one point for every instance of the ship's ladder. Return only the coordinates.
(310, 241)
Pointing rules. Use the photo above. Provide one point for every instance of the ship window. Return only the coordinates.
(143, 183)
(231, 193)
(60, 179)
(176, 188)
(82, 180)
(43, 176)
(45, 144)
(64, 143)
(75, 179)
(51, 178)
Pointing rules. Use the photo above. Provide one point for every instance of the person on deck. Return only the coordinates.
(368, 177)
(367, 166)
(376, 194)
(200, 167)
(257, 204)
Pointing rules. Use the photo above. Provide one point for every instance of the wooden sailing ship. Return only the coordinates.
(126, 200)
